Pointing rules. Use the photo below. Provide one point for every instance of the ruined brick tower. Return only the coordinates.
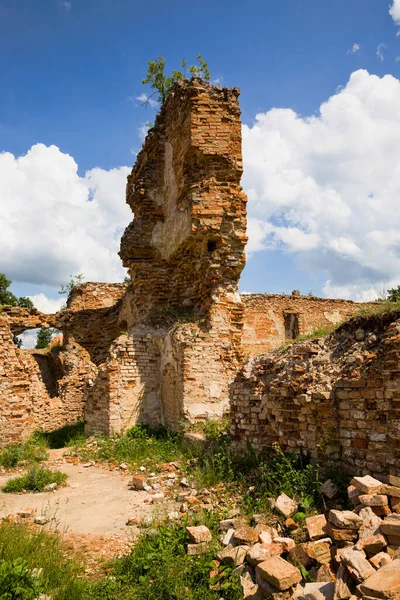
(186, 243)
(182, 316)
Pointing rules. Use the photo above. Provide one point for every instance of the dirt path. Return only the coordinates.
(95, 501)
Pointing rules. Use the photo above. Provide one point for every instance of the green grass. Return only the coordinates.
(39, 550)
(158, 567)
(379, 308)
(31, 451)
(60, 438)
(34, 481)
(270, 472)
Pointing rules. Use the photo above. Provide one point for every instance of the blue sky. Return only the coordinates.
(70, 74)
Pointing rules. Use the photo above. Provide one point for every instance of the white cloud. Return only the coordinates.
(379, 52)
(326, 187)
(54, 223)
(394, 11)
(354, 49)
(28, 338)
(47, 305)
(145, 99)
(143, 129)
(67, 5)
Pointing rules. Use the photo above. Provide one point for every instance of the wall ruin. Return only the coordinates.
(170, 345)
(331, 398)
(39, 389)
(184, 251)
(271, 319)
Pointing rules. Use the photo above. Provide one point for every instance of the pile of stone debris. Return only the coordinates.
(349, 555)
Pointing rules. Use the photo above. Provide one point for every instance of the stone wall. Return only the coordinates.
(336, 397)
(271, 319)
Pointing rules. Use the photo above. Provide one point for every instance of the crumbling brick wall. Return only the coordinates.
(39, 389)
(332, 398)
(271, 319)
(92, 317)
(184, 251)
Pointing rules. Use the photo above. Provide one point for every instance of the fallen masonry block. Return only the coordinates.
(250, 589)
(279, 573)
(384, 584)
(320, 551)
(344, 584)
(228, 537)
(329, 489)
(395, 504)
(379, 560)
(286, 506)
(257, 554)
(299, 555)
(286, 543)
(316, 527)
(391, 490)
(345, 519)
(353, 494)
(245, 535)
(196, 549)
(319, 591)
(373, 500)
(139, 482)
(394, 540)
(367, 484)
(233, 557)
(341, 535)
(270, 592)
(325, 574)
(357, 565)
(199, 534)
(394, 480)
(391, 525)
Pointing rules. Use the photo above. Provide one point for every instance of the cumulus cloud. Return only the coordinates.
(47, 305)
(394, 11)
(354, 49)
(325, 188)
(54, 223)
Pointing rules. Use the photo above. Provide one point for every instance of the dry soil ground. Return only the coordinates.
(91, 512)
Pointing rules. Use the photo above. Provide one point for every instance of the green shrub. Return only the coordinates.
(43, 552)
(35, 480)
(31, 451)
(17, 582)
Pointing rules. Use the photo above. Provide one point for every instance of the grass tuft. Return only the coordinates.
(35, 480)
(31, 451)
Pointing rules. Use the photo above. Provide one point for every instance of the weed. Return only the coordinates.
(17, 582)
(319, 332)
(42, 551)
(35, 480)
(29, 452)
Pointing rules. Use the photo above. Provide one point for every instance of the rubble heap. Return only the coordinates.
(349, 553)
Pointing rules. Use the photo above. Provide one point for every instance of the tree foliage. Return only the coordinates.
(44, 337)
(393, 295)
(74, 281)
(162, 84)
(7, 298)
